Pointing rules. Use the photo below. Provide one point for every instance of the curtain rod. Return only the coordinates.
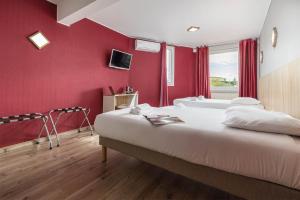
(210, 45)
(223, 43)
(227, 43)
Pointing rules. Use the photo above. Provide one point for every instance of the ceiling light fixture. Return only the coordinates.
(193, 29)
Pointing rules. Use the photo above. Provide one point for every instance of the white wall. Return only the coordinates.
(285, 15)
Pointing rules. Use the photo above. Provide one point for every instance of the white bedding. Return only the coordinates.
(204, 140)
(208, 103)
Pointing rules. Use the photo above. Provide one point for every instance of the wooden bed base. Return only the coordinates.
(241, 186)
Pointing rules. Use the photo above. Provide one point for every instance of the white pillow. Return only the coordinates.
(251, 118)
(245, 101)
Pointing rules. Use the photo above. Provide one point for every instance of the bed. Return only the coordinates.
(207, 103)
(252, 165)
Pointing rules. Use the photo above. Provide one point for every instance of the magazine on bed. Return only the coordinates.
(159, 120)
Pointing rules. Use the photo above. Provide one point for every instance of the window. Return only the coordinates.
(224, 70)
(170, 55)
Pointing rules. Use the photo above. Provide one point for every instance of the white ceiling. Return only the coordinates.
(220, 21)
(54, 1)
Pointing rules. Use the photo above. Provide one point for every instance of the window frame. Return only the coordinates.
(172, 50)
(226, 48)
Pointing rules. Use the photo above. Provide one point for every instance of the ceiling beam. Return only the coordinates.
(70, 11)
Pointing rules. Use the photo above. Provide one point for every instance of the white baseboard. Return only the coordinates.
(63, 135)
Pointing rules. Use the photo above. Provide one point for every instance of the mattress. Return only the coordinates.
(208, 103)
(204, 140)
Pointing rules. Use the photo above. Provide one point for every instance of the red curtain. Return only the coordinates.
(248, 68)
(202, 72)
(164, 99)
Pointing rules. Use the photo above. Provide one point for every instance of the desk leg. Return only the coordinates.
(104, 154)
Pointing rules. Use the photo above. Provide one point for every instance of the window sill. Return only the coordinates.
(224, 90)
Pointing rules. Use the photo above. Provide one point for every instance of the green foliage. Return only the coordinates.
(222, 82)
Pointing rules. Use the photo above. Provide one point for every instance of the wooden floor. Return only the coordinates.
(74, 171)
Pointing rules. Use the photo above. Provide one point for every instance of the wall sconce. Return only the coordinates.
(274, 37)
(39, 40)
(261, 57)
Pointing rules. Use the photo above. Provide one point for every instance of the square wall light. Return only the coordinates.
(39, 40)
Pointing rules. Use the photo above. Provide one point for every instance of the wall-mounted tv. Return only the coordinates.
(120, 60)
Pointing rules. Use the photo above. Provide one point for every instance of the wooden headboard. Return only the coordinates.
(280, 90)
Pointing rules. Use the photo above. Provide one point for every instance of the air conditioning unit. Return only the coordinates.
(142, 45)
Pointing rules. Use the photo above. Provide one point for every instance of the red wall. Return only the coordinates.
(145, 75)
(72, 70)
(184, 74)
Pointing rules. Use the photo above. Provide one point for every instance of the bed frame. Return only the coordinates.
(241, 186)
(280, 91)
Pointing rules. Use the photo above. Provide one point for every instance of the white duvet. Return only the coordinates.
(204, 140)
(210, 103)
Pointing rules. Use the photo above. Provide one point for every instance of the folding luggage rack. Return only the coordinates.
(27, 117)
(44, 119)
(62, 111)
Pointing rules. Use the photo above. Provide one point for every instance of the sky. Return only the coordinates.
(224, 65)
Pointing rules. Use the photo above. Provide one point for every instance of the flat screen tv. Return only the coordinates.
(120, 60)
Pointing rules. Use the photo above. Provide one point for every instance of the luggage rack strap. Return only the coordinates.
(69, 110)
(20, 118)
